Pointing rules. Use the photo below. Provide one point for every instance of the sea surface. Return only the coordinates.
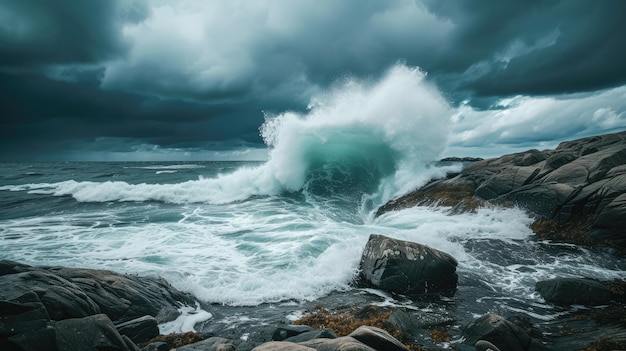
(263, 241)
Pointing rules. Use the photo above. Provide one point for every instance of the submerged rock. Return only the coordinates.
(407, 268)
(286, 331)
(571, 291)
(491, 330)
(580, 187)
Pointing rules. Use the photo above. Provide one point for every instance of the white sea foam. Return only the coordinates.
(187, 320)
(271, 249)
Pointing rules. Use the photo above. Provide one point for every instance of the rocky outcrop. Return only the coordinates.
(76, 292)
(578, 190)
(407, 268)
(74, 308)
(571, 291)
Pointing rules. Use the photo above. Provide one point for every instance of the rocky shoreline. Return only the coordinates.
(577, 193)
(56, 308)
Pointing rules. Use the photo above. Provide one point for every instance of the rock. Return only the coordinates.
(579, 185)
(61, 298)
(460, 159)
(409, 322)
(285, 331)
(25, 324)
(33, 298)
(377, 339)
(124, 297)
(313, 334)
(90, 333)
(35, 340)
(211, 344)
(407, 268)
(282, 346)
(570, 291)
(157, 346)
(344, 343)
(139, 330)
(74, 292)
(494, 330)
(484, 345)
(22, 314)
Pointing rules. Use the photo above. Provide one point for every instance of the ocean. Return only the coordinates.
(289, 231)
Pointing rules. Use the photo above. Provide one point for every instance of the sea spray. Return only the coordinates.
(372, 131)
(372, 139)
(294, 246)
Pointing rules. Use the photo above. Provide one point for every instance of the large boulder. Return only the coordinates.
(580, 186)
(574, 291)
(406, 267)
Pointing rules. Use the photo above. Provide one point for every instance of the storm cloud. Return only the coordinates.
(191, 75)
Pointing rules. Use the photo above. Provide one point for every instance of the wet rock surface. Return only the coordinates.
(359, 319)
(407, 268)
(574, 291)
(578, 189)
(57, 308)
(76, 292)
(491, 330)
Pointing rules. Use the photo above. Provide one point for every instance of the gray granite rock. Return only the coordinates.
(74, 292)
(407, 268)
(582, 183)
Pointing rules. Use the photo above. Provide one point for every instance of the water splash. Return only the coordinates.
(360, 137)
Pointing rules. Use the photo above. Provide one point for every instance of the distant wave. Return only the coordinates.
(359, 138)
(170, 167)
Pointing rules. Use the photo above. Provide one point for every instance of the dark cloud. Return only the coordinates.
(36, 32)
(503, 48)
(184, 74)
(42, 115)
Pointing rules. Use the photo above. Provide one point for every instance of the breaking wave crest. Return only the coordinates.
(360, 137)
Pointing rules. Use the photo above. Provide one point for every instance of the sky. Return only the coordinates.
(193, 79)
